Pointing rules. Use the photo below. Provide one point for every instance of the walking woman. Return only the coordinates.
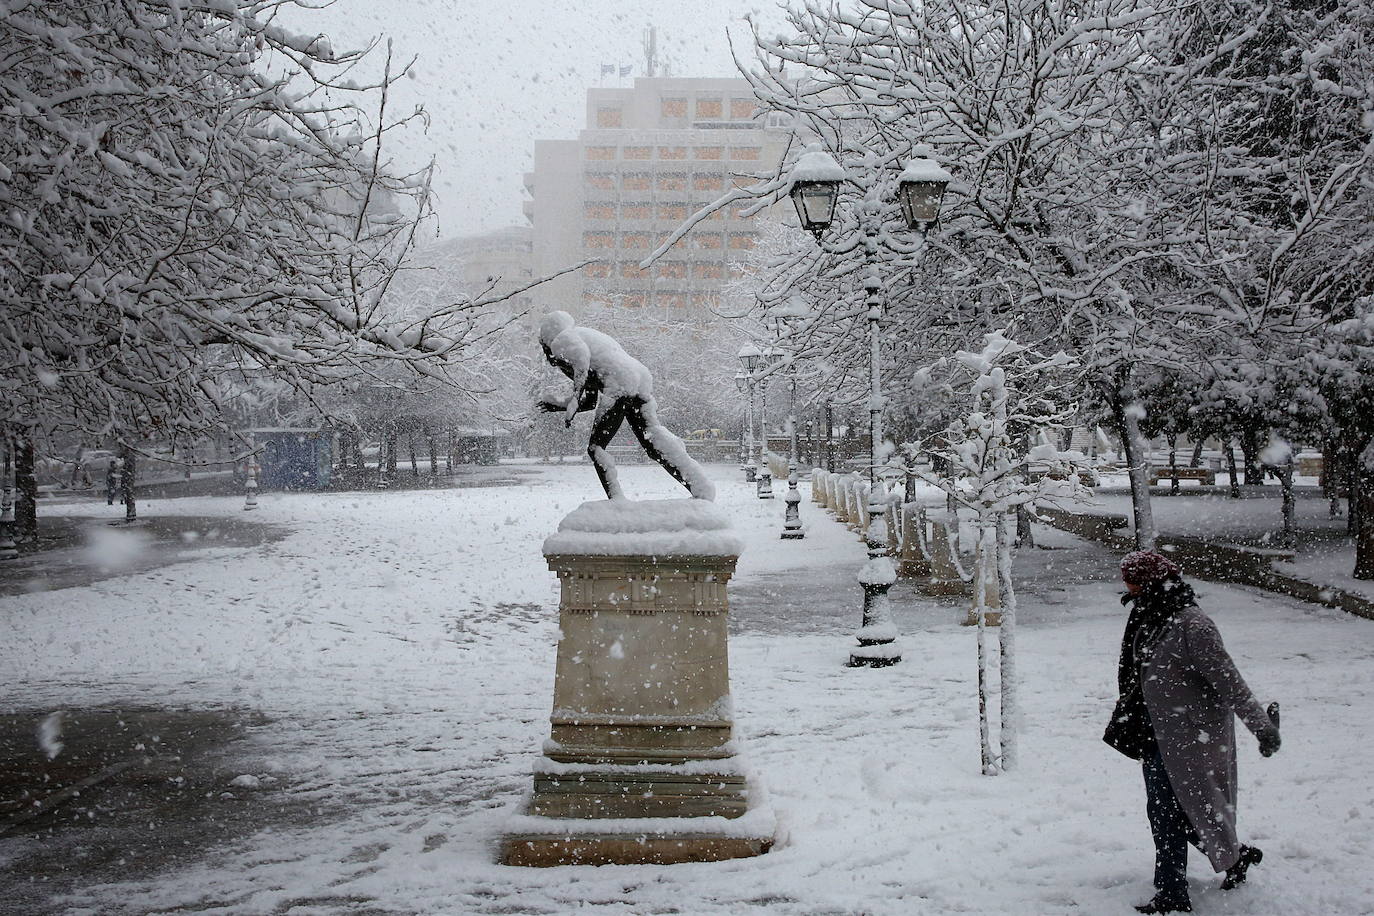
(1179, 689)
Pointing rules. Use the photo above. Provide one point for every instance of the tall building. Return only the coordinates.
(649, 157)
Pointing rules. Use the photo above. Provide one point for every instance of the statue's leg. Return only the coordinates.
(667, 449)
(603, 431)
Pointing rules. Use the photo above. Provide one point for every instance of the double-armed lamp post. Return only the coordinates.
(814, 186)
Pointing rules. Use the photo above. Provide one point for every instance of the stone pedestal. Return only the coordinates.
(640, 765)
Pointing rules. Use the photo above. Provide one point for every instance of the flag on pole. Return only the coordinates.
(625, 71)
(608, 69)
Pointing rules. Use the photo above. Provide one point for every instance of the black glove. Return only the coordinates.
(1269, 741)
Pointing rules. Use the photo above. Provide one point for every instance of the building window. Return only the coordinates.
(598, 239)
(671, 300)
(741, 241)
(608, 117)
(637, 210)
(636, 181)
(633, 300)
(635, 240)
(710, 152)
(672, 181)
(675, 270)
(709, 270)
(639, 152)
(708, 109)
(704, 300)
(708, 241)
(742, 109)
(598, 269)
(745, 152)
(599, 210)
(673, 108)
(602, 181)
(601, 152)
(672, 152)
(673, 211)
(630, 270)
(708, 182)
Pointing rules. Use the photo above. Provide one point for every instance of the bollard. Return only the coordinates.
(8, 550)
(250, 500)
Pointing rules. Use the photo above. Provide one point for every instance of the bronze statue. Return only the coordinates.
(618, 387)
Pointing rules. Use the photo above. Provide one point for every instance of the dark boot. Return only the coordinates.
(1162, 904)
(1235, 875)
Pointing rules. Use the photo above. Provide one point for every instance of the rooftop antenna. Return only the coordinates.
(651, 52)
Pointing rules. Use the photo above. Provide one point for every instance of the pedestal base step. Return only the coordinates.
(623, 794)
(548, 849)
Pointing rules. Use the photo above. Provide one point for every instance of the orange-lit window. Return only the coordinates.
(672, 181)
(630, 270)
(672, 211)
(601, 152)
(599, 210)
(736, 271)
(608, 117)
(672, 152)
(708, 108)
(708, 182)
(639, 152)
(594, 298)
(675, 270)
(708, 270)
(710, 152)
(742, 241)
(745, 152)
(741, 109)
(602, 181)
(672, 300)
(635, 240)
(598, 239)
(673, 108)
(636, 181)
(598, 269)
(636, 211)
(711, 242)
(633, 300)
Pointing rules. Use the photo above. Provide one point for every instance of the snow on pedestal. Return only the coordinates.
(641, 765)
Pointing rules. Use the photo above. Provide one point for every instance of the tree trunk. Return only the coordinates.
(1249, 449)
(410, 445)
(433, 453)
(1353, 506)
(1362, 495)
(127, 479)
(1173, 465)
(26, 491)
(1196, 460)
(1133, 443)
(1006, 636)
(1290, 531)
(982, 570)
(1230, 448)
(393, 435)
(448, 451)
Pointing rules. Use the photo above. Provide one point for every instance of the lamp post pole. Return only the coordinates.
(814, 188)
(791, 523)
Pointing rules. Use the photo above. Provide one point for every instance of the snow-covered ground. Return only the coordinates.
(402, 645)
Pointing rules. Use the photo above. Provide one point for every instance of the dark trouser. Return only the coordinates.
(643, 421)
(1169, 826)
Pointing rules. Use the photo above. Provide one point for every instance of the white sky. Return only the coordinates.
(496, 75)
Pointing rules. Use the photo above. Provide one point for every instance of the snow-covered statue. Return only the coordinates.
(618, 387)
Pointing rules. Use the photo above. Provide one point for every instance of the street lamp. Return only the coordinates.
(767, 360)
(794, 309)
(814, 186)
(749, 358)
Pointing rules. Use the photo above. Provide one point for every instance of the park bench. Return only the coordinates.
(1207, 476)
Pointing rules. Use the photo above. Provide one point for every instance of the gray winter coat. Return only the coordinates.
(1192, 688)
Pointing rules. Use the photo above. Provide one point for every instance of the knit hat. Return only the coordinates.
(1145, 566)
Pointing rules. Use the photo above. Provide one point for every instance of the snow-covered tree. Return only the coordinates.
(1011, 391)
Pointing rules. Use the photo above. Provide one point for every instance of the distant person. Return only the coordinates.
(619, 388)
(111, 482)
(1178, 692)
